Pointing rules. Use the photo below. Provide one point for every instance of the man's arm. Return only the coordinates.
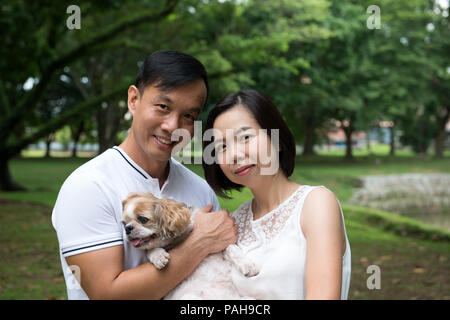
(103, 277)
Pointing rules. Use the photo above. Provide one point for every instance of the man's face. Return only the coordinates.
(157, 113)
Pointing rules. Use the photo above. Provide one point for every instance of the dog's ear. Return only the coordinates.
(174, 217)
(129, 197)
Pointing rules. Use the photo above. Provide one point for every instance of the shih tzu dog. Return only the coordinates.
(157, 225)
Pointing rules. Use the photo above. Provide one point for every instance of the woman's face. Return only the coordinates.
(243, 150)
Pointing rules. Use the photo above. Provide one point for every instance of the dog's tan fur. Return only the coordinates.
(172, 218)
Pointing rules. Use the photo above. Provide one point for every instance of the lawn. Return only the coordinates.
(413, 257)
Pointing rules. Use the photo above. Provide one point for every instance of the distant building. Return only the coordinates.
(336, 139)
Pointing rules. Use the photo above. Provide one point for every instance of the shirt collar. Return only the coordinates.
(141, 171)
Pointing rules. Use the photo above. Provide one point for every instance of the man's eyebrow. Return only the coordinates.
(168, 100)
(164, 98)
(235, 133)
(196, 110)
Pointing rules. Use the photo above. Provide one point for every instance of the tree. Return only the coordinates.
(39, 49)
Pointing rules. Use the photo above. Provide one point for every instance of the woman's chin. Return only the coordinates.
(248, 180)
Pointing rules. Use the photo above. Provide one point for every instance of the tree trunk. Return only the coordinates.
(369, 150)
(308, 146)
(76, 134)
(392, 141)
(108, 124)
(6, 181)
(441, 134)
(439, 143)
(348, 142)
(48, 142)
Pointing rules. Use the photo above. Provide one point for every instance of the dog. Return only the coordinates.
(159, 224)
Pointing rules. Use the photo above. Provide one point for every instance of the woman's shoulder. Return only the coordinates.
(320, 198)
(320, 207)
(319, 193)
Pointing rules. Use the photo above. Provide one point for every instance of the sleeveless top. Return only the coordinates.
(276, 244)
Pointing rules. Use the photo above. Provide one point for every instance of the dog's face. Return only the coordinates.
(151, 222)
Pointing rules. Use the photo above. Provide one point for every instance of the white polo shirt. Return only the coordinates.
(88, 210)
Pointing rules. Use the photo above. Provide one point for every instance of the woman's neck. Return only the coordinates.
(271, 193)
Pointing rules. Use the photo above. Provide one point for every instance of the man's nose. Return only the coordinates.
(170, 124)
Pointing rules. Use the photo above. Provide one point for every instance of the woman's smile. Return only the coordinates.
(242, 171)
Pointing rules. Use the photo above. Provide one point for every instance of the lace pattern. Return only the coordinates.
(270, 224)
(246, 236)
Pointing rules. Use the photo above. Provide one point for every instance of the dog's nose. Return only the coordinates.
(128, 229)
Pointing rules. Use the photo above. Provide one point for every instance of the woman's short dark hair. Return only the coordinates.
(268, 117)
(170, 69)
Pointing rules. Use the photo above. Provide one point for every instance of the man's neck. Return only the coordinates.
(155, 168)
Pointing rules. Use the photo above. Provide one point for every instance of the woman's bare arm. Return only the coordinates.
(323, 228)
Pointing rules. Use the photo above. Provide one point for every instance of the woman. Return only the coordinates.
(294, 233)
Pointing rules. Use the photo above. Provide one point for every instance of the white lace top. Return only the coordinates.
(275, 242)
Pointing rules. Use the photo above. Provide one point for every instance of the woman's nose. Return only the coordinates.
(237, 154)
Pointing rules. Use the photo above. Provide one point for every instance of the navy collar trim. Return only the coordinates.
(120, 152)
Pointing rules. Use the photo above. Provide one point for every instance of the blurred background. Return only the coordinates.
(364, 87)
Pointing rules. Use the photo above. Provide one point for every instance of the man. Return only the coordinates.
(170, 91)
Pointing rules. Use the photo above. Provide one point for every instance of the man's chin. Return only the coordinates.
(158, 154)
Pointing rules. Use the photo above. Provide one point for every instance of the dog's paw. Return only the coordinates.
(159, 257)
(248, 269)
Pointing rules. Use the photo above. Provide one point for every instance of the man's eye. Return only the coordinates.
(163, 106)
(142, 220)
(190, 117)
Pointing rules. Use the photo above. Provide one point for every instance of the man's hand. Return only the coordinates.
(215, 230)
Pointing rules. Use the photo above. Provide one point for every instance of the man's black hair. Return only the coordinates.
(170, 69)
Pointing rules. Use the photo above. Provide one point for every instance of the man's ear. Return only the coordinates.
(133, 98)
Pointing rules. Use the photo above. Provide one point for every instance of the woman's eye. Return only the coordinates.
(142, 220)
(220, 148)
(246, 137)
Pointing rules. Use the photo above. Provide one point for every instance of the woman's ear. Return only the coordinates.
(133, 98)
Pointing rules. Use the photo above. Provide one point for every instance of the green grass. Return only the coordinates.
(30, 266)
(413, 257)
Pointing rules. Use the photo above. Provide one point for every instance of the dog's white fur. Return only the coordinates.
(156, 224)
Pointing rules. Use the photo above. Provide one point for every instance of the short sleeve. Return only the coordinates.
(84, 217)
(215, 202)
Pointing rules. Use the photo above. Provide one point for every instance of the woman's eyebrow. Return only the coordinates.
(235, 133)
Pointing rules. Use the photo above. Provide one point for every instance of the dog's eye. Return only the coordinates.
(142, 220)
